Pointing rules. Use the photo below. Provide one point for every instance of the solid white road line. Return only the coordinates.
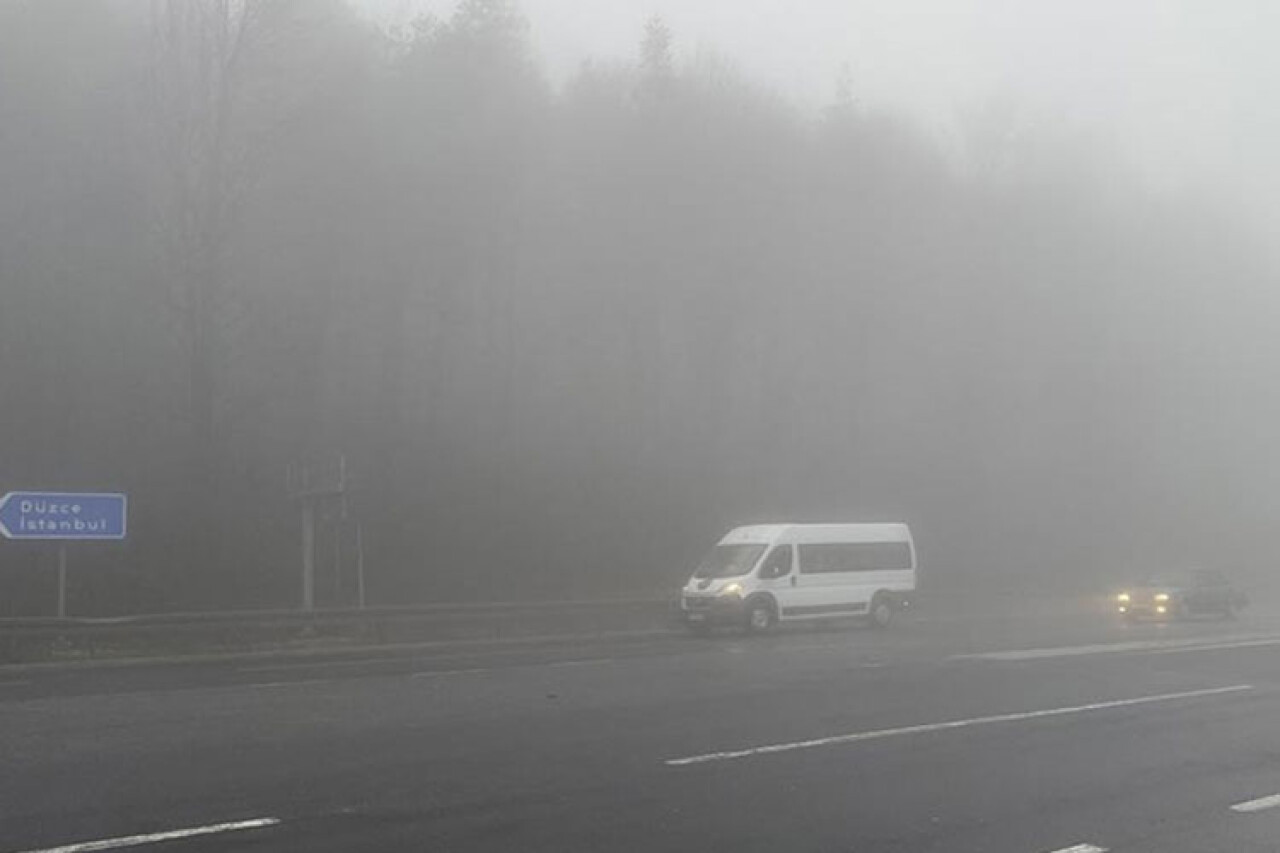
(158, 837)
(572, 663)
(1146, 646)
(1258, 805)
(1082, 848)
(271, 685)
(259, 670)
(857, 737)
(1210, 647)
(339, 664)
(443, 672)
(514, 667)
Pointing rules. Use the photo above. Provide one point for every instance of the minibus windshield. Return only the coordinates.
(727, 561)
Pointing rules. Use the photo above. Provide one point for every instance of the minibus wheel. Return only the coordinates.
(760, 617)
(881, 611)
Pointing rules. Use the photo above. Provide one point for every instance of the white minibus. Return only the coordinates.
(760, 576)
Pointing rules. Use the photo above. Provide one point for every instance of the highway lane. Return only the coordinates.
(921, 637)
(568, 747)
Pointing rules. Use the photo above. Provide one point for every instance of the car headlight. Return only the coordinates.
(1162, 596)
(733, 590)
(1123, 598)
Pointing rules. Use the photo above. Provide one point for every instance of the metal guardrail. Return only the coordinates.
(186, 633)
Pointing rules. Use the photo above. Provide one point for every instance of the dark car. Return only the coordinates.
(1178, 596)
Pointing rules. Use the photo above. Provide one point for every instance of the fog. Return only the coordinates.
(572, 289)
(1182, 92)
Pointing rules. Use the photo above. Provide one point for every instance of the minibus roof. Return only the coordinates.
(769, 533)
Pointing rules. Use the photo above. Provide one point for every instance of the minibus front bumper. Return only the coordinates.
(699, 610)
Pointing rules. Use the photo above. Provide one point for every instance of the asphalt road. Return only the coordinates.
(941, 734)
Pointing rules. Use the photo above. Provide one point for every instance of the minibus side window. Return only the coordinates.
(777, 564)
(840, 557)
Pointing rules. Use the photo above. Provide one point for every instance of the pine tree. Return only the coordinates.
(656, 65)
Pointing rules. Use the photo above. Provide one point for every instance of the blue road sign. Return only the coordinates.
(59, 515)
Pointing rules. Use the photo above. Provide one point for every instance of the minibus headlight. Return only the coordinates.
(1123, 598)
(733, 590)
(1163, 596)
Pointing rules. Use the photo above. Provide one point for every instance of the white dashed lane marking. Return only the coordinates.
(160, 837)
(1259, 805)
(857, 737)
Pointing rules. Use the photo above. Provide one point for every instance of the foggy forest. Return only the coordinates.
(564, 334)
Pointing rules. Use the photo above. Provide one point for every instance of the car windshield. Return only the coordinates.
(729, 561)
(1167, 581)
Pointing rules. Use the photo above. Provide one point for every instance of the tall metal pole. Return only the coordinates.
(340, 517)
(308, 554)
(62, 580)
(337, 560)
(360, 564)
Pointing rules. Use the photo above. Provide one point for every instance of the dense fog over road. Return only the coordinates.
(568, 312)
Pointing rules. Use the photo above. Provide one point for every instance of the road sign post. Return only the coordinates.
(64, 517)
(314, 492)
(62, 580)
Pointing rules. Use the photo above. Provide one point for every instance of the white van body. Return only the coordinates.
(764, 574)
